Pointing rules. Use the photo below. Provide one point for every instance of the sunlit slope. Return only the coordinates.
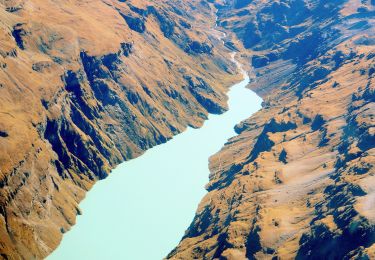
(85, 85)
(297, 182)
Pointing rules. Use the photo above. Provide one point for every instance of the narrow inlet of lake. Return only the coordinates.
(141, 211)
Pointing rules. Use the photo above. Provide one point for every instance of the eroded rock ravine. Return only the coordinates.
(298, 180)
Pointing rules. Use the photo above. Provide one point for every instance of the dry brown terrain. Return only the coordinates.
(298, 180)
(85, 85)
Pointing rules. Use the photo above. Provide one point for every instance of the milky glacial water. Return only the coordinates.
(141, 211)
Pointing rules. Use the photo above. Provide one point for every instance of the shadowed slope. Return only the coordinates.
(297, 182)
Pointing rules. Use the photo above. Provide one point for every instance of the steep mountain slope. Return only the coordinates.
(85, 85)
(298, 180)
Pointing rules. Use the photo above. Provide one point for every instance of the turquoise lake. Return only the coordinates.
(143, 208)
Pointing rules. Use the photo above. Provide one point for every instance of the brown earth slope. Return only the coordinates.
(298, 180)
(85, 85)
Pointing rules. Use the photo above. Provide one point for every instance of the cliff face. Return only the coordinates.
(298, 180)
(85, 85)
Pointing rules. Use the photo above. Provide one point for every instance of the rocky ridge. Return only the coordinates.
(298, 180)
(85, 85)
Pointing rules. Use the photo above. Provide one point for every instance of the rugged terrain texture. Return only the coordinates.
(85, 85)
(298, 181)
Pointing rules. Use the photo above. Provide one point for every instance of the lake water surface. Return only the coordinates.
(141, 211)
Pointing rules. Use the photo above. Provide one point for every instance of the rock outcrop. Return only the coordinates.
(85, 85)
(298, 180)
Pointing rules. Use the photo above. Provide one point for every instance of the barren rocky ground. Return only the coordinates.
(85, 85)
(298, 180)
